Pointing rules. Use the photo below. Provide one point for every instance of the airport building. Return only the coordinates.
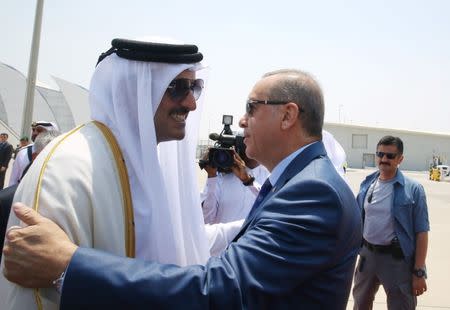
(421, 149)
(66, 106)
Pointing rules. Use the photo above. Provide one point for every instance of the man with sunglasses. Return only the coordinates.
(395, 233)
(123, 183)
(296, 250)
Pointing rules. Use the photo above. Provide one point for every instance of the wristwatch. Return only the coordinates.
(420, 272)
(249, 181)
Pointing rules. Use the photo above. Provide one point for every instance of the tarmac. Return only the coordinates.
(438, 257)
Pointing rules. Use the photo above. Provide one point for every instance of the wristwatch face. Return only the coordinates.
(420, 273)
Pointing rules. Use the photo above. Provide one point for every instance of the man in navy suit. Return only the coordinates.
(296, 250)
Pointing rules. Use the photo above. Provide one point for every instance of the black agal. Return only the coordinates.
(153, 52)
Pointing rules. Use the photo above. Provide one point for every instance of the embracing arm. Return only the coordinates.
(275, 257)
(292, 240)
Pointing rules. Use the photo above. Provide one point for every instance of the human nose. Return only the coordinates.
(243, 121)
(189, 102)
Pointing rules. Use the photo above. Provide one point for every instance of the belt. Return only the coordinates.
(394, 250)
(377, 248)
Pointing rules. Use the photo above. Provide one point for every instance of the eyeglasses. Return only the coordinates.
(251, 104)
(388, 155)
(179, 88)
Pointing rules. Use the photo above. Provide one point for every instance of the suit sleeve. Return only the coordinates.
(293, 238)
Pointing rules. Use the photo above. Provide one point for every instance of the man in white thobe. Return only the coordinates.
(112, 184)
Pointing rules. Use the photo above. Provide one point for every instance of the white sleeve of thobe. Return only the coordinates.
(210, 203)
(220, 235)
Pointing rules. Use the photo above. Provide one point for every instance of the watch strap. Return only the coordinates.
(420, 272)
(249, 181)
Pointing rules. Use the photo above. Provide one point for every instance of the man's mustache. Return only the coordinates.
(181, 110)
(385, 163)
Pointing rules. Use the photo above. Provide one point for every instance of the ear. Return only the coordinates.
(290, 115)
(400, 160)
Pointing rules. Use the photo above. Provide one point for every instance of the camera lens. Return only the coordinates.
(222, 158)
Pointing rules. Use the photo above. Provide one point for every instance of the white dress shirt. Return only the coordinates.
(226, 199)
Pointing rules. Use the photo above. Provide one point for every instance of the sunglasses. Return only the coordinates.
(251, 104)
(179, 88)
(388, 155)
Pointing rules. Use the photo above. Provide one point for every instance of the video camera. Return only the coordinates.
(221, 155)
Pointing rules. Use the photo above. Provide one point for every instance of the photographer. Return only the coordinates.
(229, 195)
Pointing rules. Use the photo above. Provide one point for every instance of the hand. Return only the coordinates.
(212, 172)
(2, 169)
(35, 255)
(239, 168)
(419, 286)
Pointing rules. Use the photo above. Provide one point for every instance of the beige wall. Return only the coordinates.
(419, 147)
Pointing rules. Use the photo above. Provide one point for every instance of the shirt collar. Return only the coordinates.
(399, 178)
(282, 165)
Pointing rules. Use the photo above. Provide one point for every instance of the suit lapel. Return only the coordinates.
(296, 165)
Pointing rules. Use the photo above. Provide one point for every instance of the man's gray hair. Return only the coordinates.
(43, 139)
(301, 88)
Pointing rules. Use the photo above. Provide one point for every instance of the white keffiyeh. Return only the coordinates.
(124, 95)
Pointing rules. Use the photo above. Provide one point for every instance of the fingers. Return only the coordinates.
(14, 227)
(419, 289)
(10, 235)
(238, 158)
(419, 292)
(15, 233)
(238, 162)
(26, 214)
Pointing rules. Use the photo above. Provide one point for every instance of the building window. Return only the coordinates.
(368, 160)
(359, 141)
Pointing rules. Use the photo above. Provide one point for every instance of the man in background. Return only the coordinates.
(24, 141)
(396, 226)
(24, 156)
(6, 151)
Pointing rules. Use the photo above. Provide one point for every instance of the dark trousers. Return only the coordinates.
(375, 269)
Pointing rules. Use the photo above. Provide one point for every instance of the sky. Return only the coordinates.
(380, 63)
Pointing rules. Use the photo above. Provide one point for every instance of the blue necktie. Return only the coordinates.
(265, 189)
